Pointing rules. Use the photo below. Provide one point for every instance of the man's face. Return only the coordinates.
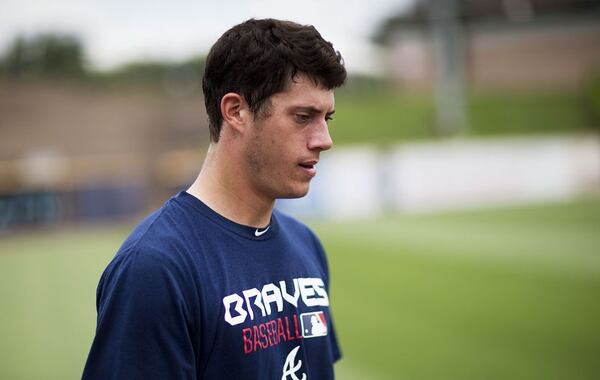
(285, 140)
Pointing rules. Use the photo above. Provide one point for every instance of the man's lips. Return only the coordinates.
(309, 167)
(308, 164)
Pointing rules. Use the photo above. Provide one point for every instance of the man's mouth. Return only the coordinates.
(308, 164)
(309, 167)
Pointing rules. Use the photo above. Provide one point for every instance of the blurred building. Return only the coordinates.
(75, 152)
(507, 43)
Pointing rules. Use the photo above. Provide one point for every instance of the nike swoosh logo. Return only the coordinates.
(258, 233)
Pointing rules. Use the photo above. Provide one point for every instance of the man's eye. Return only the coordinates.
(328, 118)
(302, 118)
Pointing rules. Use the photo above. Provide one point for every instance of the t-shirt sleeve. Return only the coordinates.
(144, 329)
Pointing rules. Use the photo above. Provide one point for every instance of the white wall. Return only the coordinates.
(454, 174)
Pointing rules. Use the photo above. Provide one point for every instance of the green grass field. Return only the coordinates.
(387, 118)
(496, 294)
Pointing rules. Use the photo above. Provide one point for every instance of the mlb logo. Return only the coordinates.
(313, 324)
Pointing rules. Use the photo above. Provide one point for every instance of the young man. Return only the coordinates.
(217, 284)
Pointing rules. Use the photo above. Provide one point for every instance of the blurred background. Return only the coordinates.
(460, 206)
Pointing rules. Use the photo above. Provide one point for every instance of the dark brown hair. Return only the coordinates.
(258, 58)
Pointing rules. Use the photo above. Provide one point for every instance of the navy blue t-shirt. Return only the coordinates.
(193, 295)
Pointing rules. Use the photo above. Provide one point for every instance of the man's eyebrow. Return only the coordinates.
(310, 109)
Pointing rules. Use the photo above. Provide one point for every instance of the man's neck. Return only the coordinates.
(224, 188)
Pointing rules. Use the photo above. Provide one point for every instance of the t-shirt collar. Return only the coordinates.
(248, 232)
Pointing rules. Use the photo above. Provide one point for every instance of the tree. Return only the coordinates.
(42, 56)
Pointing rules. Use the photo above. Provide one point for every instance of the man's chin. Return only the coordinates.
(294, 193)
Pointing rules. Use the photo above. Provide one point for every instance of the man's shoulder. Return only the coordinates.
(154, 246)
(294, 227)
(290, 223)
(165, 231)
(150, 231)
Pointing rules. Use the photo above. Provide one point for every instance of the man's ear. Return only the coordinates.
(235, 111)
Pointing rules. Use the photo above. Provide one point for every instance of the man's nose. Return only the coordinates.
(320, 139)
